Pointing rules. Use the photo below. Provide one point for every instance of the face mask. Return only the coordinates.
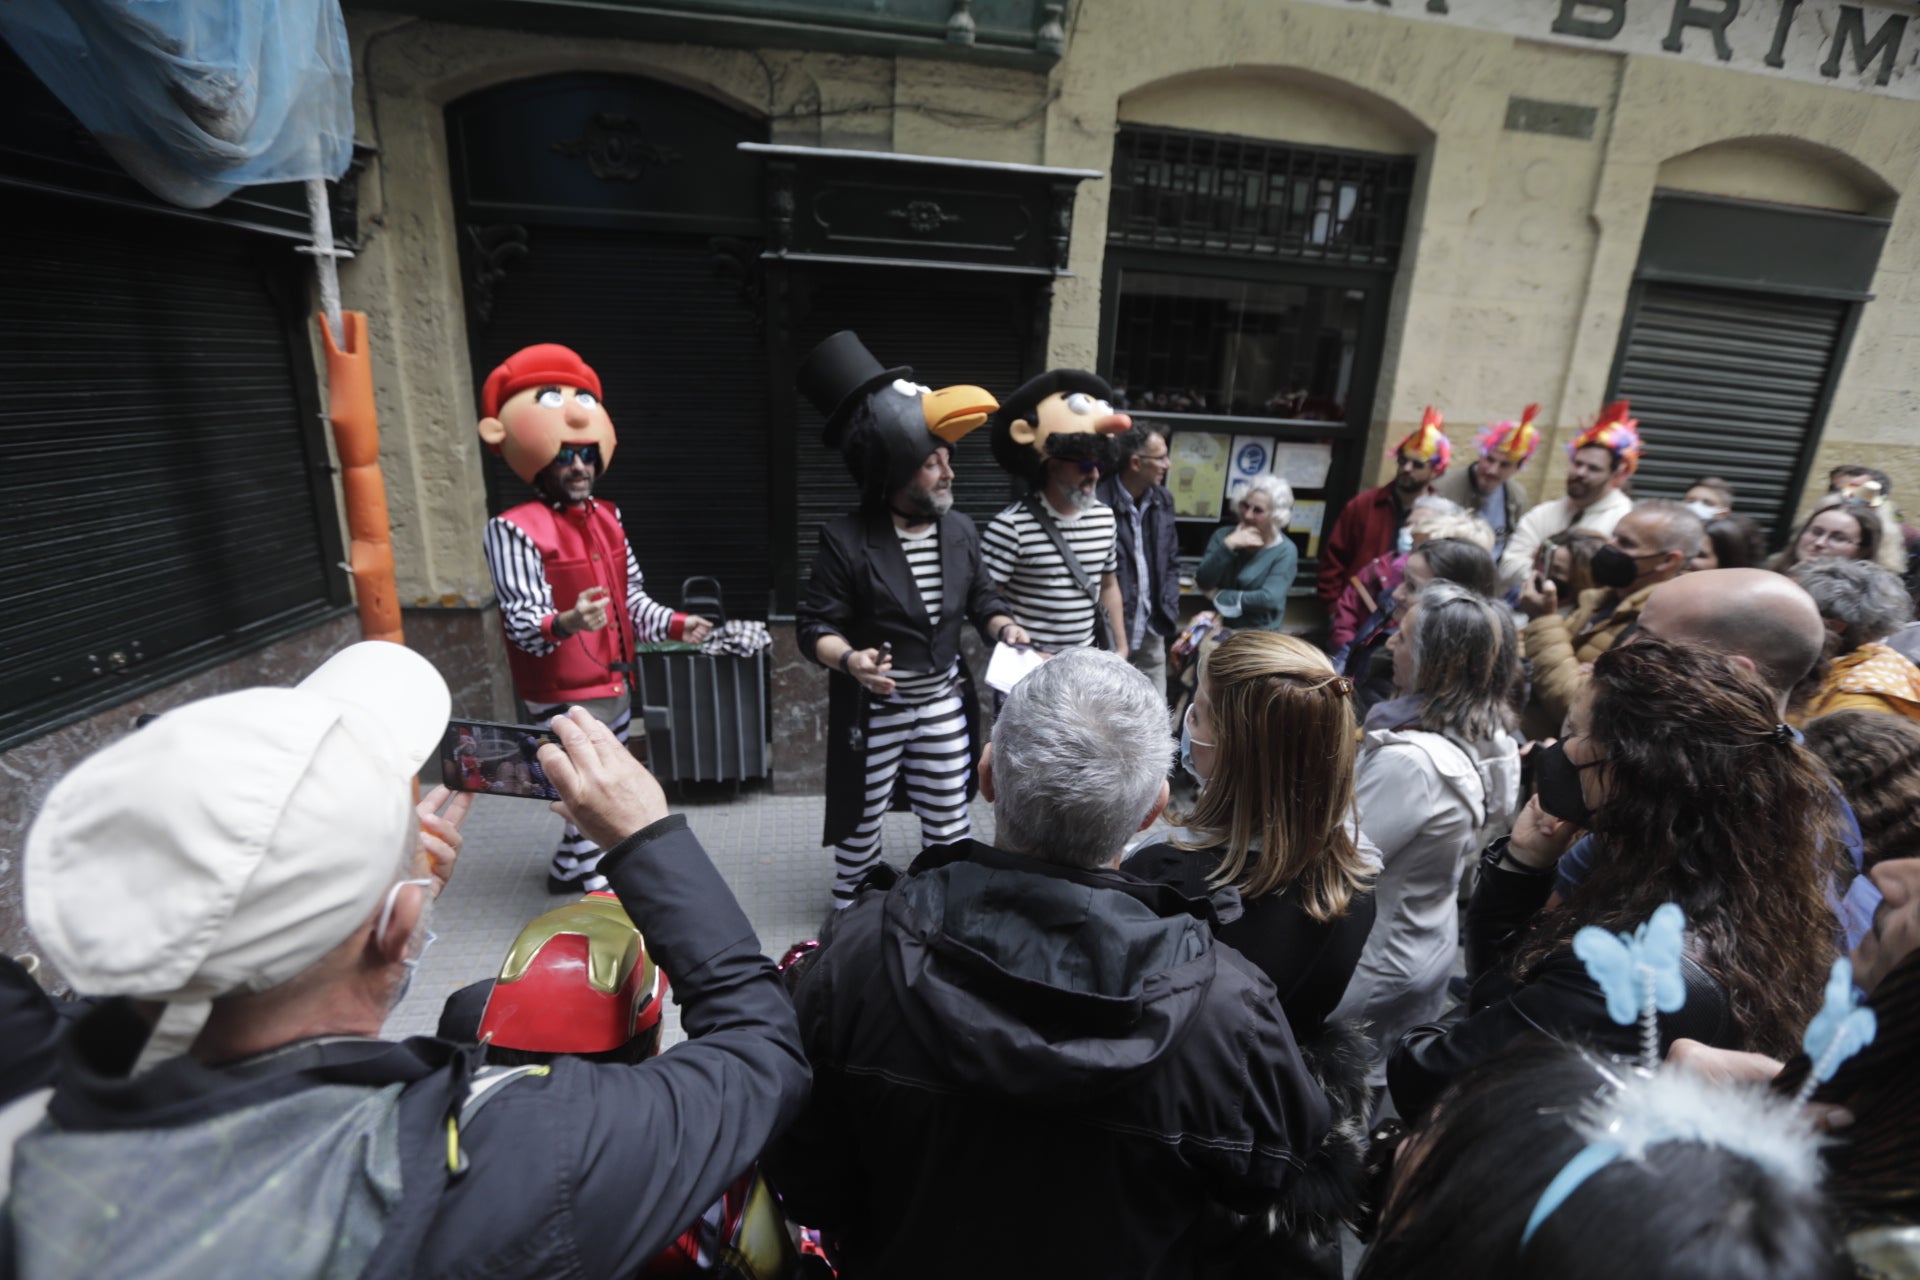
(1613, 567)
(1186, 747)
(1705, 510)
(1557, 780)
(1403, 542)
(412, 962)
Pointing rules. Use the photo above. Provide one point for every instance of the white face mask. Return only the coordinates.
(1705, 510)
(412, 962)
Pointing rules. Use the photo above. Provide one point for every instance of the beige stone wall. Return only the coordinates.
(1521, 246)
(407, 278)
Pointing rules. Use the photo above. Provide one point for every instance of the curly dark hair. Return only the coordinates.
(1712, 806)
(1875, 757)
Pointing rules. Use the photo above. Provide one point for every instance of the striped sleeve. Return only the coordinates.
(520, 585)
(1000, 544)
(651, 619)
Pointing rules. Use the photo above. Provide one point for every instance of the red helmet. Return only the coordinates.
(577, 980)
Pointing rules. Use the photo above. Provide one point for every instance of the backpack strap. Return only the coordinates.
(1051, 528)
(484, 1088)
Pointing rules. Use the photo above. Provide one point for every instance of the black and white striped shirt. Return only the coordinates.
(923, 560)
(526, 598)
(1046, 600)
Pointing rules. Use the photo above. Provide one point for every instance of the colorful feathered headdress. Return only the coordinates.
(1512, 441)
(1428, 444)
(1614, 432)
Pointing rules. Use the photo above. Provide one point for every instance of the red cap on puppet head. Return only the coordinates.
(1428, 444)
(545, 364)
(532, 438)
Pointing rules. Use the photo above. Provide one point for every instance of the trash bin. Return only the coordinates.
(706, 714)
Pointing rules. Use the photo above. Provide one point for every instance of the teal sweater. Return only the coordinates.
(1253, 584)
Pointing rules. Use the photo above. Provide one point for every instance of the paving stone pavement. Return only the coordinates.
(767, 846)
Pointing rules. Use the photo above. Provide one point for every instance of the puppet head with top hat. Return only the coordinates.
(1064, 414)
(542, 398)
(884, 423)
(1428, 444)
(1615, 432)
(1512, 441)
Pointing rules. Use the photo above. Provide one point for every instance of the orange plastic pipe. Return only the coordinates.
(356, 436)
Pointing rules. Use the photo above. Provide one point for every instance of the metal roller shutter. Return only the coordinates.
(165, 500)
(1728, 383)
(680, 358)
(953, 330)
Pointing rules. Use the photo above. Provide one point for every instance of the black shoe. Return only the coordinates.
(555, 884)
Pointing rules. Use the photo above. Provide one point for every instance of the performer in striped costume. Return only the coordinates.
(1056, 433)
(889, 590)
(572, 602)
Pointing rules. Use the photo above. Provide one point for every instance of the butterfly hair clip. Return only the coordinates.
(1639, 973)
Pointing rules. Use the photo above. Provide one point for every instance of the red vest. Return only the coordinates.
(581, 547)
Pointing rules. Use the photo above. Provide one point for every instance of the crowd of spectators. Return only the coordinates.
(1351, 1003)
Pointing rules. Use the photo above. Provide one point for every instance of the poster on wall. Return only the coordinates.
(1304, 466)
(1252, 456)
(1309, 518)
(1197, 476)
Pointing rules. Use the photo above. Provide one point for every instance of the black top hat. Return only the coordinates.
(837, 375)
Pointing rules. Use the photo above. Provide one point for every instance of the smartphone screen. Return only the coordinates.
(498, 759)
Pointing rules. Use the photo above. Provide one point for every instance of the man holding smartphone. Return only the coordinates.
(571, 598)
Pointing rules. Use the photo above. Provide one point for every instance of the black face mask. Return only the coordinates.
(1557, 781)
(1612, 567)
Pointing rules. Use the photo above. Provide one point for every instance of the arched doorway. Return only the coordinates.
(613, 214)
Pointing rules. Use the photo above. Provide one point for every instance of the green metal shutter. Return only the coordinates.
(165, 501)
(953, 330)
(1729, 383)
(680, 358)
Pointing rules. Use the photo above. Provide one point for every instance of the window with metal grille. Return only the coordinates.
(1209, 193)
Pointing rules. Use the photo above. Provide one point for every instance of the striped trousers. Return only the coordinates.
(577, 857)
(928, 741)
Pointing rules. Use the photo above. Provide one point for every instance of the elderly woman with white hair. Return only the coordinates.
(1249, 568)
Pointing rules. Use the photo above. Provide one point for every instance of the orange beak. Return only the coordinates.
(952, 412)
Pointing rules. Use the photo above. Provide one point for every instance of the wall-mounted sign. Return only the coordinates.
(1197, 476)
(1252, 456)
(1871, 47)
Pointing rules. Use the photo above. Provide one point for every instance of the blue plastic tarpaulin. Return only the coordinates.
(198, 98)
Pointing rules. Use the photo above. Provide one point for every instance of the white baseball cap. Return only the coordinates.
(234, 841)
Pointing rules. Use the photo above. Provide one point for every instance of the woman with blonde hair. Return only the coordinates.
(1270, 737)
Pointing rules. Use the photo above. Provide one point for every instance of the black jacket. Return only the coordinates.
(1023, 1069)
(1557, 1000)
(588, 1171)
(861, 590)
(1310, 962)
(1162, 540)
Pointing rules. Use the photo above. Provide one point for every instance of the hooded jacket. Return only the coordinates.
(1430, 802)
(1026, 1069)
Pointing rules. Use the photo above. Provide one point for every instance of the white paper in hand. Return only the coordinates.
(1010, 665)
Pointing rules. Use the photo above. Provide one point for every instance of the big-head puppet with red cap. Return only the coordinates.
(571, 599)
(539, 399)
